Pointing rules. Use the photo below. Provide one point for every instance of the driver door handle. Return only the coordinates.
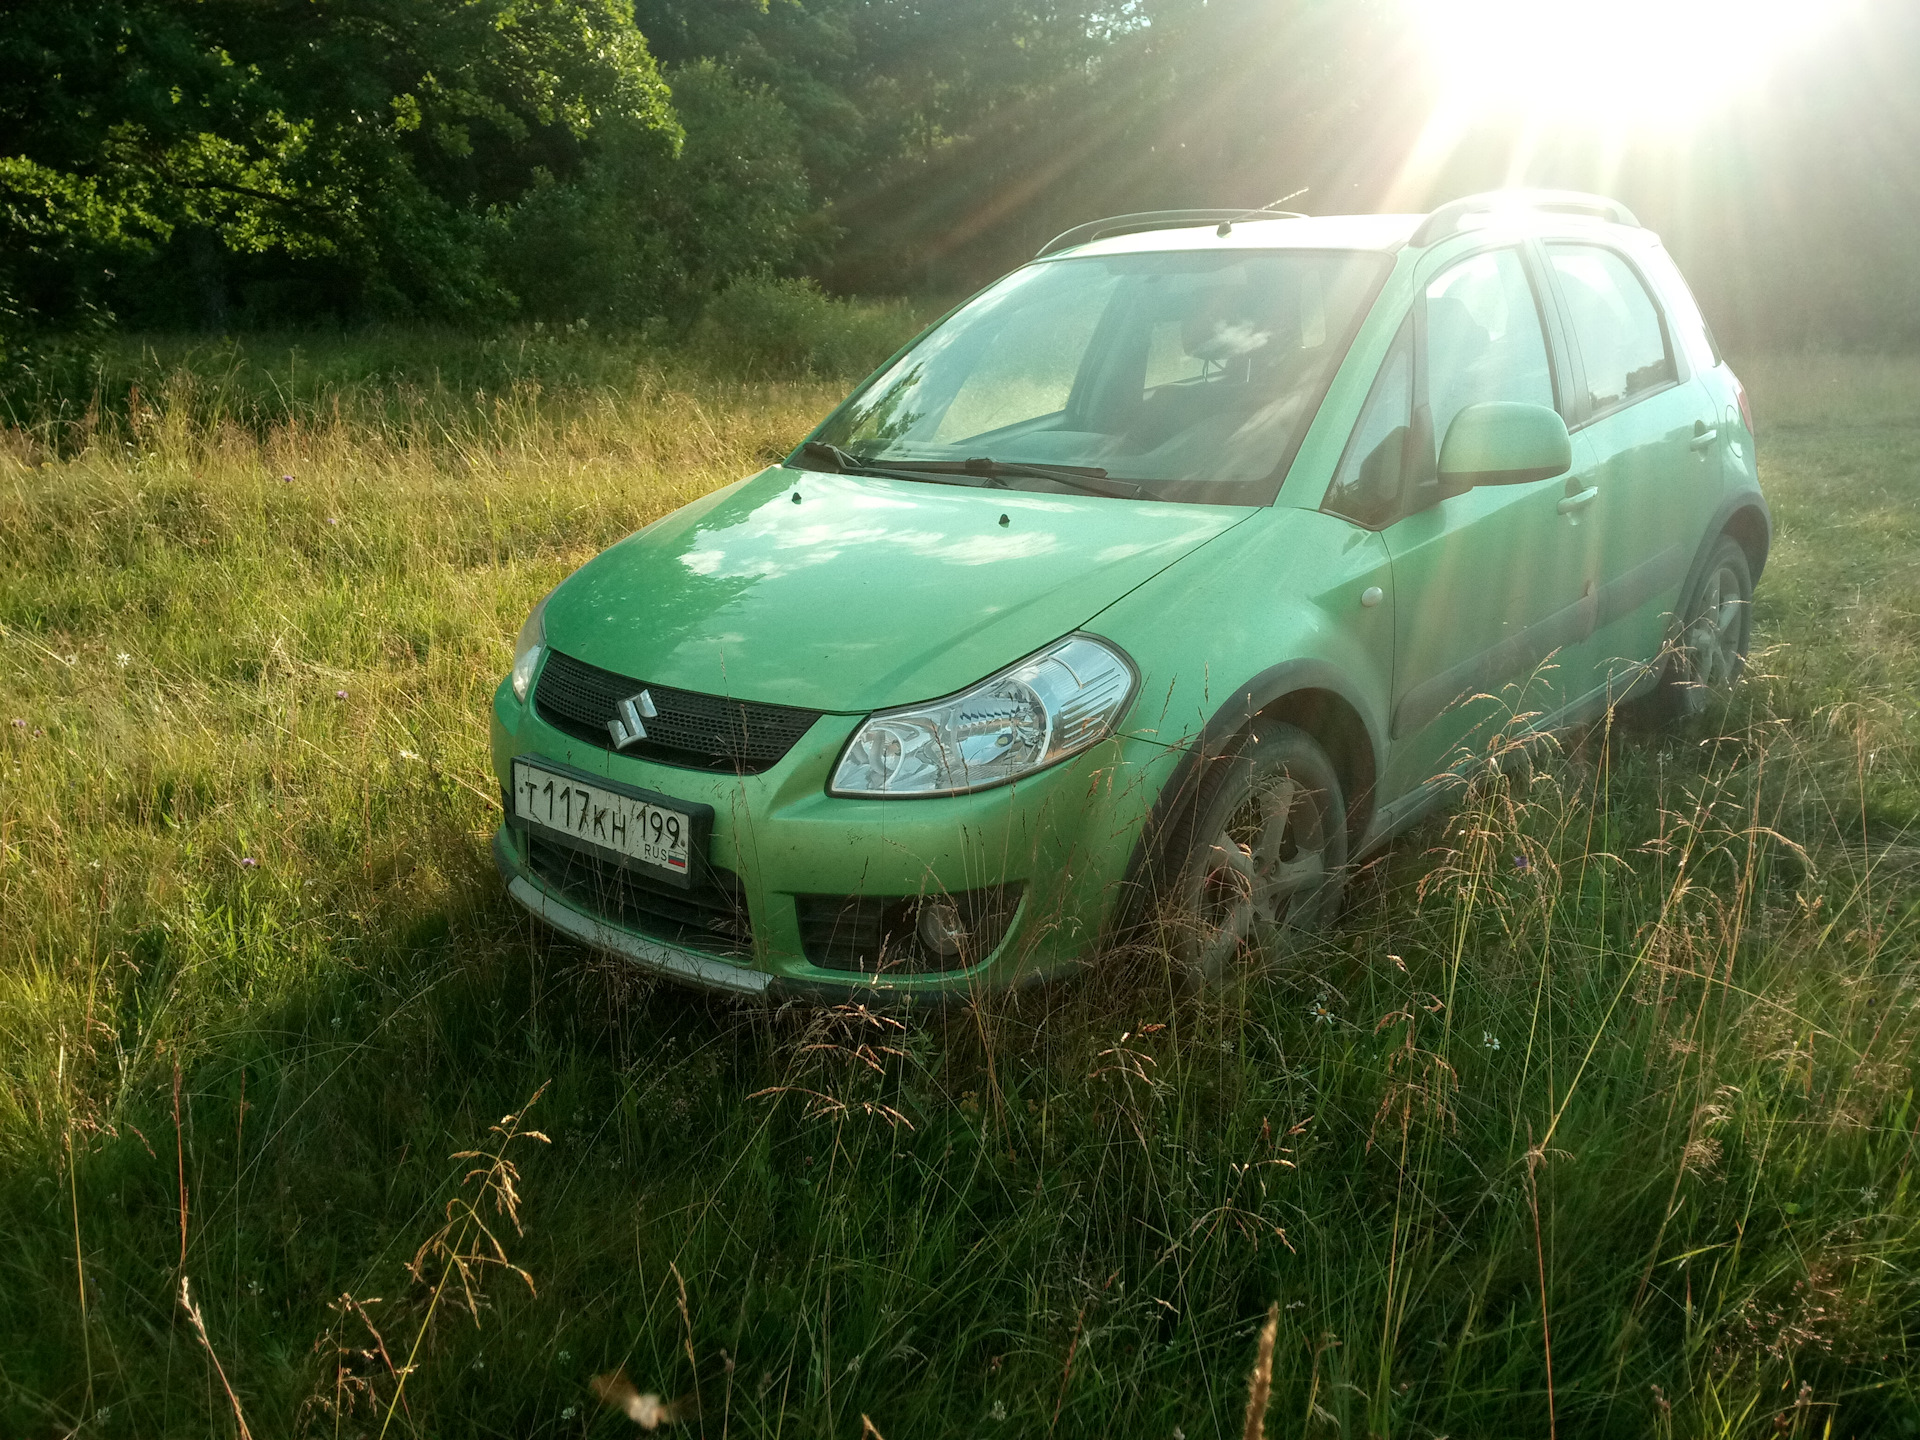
(1574, 503)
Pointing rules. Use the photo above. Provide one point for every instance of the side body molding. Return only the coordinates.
(1519, 654)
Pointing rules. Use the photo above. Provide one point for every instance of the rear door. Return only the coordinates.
(1645, 447)
(1492, 587)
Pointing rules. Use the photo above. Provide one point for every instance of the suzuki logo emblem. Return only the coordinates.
(626, 727)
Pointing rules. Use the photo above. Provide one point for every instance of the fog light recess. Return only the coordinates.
(907, 934)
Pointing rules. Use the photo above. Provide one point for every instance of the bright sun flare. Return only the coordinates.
(1617, 62)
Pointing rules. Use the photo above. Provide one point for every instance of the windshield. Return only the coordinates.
(1190, 375)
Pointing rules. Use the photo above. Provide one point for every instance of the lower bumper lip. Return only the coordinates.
(706, 972)
(686, 966)
(665, 959)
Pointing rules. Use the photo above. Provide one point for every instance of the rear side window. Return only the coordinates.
(1692, 335)
(1621, 334)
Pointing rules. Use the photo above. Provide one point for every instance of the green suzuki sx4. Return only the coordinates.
(1142, 594)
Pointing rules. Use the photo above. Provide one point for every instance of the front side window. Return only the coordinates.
(1484, 340)
(1366, 488)
(1189, 374)
(1616, 324)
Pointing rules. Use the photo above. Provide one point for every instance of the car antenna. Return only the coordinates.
(1226, 226)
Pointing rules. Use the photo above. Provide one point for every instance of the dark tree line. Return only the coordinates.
(243, 162)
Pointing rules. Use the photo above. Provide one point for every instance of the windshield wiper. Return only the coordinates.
(1090, 478)
(834, 460)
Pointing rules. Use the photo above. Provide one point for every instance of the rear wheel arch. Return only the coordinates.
(1751, 526)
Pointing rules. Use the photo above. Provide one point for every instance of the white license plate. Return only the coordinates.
(651, 834)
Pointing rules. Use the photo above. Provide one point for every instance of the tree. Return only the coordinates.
(366, 146)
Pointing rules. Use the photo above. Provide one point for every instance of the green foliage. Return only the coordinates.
(1066, 1212)
(106, 390)
(639, 234)
(373, 140)
(223, 164)
(790, 327)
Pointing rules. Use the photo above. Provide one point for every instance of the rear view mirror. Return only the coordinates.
(1502, 442)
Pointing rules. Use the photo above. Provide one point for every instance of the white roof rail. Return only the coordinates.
(1446, 220)
(1157, 220)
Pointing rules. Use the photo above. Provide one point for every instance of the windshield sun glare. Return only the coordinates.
(1184, 375)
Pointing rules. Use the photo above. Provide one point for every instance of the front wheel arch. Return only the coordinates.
(1309, 694)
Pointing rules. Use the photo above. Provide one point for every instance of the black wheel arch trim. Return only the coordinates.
(1247, 701)
(1746, 501)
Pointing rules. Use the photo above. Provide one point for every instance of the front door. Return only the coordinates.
(1494, 587)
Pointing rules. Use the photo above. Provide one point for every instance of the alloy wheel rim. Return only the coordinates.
(1713, 639)
(1256, 871)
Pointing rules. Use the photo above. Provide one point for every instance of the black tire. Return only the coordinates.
(1716, 625)
(1245, 876)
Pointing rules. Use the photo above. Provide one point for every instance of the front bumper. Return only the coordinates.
(708, 972)
(1063, 836)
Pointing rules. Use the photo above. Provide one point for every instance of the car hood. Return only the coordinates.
(864, 593)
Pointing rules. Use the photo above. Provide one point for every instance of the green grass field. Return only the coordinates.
(1615, 1141)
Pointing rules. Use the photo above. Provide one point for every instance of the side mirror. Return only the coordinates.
(1502, 442)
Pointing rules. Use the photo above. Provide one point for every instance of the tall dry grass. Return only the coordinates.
(1615, 1061)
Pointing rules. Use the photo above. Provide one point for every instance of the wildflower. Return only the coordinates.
(409, 755)
(286, 479)
(339, 694)
(1320, 1013)
(333, 519)
(1489, 1039)
(123, 659)
(999, 1410)
(247, 862)
(566, 1354)
(648, 1411)
(1522, 863)
(569, 1412)
(19, 724)
(38, 732)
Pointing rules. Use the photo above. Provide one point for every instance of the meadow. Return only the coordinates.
(1594, 1115)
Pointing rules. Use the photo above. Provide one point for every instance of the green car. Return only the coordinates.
(1154, 585)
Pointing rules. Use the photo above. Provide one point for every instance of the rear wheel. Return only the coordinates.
(1716, 626)
(1261, 858)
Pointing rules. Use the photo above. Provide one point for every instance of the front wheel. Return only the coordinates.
(1716, 626)
(1261, 858)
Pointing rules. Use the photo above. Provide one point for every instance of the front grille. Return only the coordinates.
(710, 916)
(875, 933)
(693, 731)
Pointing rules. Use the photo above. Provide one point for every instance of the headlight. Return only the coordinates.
(526, 649)
(1047, 707)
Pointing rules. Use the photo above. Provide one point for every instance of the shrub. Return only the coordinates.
(792, 327)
